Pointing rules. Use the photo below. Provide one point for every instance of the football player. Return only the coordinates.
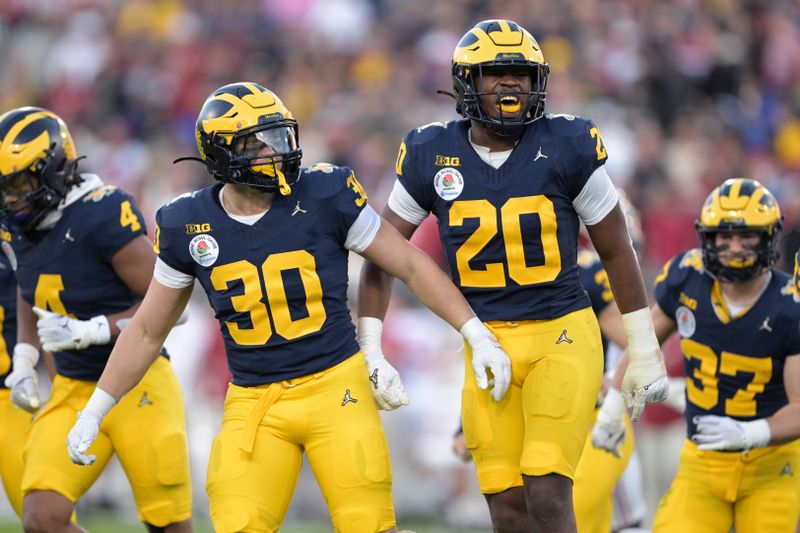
(83, 264)
(740, 336)
(13, 421)
(598, 472)
(509, 186)
(269, 244)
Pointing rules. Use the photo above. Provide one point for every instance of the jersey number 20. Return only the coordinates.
(493, 274)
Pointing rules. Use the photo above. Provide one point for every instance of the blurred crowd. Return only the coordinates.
(686, 93)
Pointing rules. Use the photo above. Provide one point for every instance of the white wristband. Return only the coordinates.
(99, 404)
(369, 334)
(101, 332)
(640, 331)
(25, 355)
(475, 331)
(756, 433)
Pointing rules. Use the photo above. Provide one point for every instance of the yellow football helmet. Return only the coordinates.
(740, 205)
(496, 44)
(38, 165)
(247, 136)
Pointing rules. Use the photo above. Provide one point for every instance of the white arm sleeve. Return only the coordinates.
(405, 206)
(169, 277)
(597, 198)
(363, 231)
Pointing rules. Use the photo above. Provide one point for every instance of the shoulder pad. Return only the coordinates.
(176, 210)
(323, 180)
(693, 259)
(568, 125)
(680, 266)
(182, 197)
(789, 290)
(427, 132)
(104, 191)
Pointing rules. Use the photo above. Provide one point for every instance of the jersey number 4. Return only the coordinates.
(251, 301)
(494, 274)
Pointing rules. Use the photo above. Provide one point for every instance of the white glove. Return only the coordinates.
(724, 433)
(58, 333)
(677, 394)
(608, 432)
(387, 389)
(487, 353)
(24, 381)
(85, 430)
(645, 379)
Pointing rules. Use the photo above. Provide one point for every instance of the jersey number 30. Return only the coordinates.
(494, 274)
(251, 301)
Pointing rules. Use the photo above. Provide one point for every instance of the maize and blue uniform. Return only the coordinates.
(734, 367)
(279, 290)
(68, 270)
(510, 235)
(14, 422)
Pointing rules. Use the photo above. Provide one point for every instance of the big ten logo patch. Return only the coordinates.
(447, 161)
(194, 229)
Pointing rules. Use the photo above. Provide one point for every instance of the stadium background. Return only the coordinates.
(686, 94)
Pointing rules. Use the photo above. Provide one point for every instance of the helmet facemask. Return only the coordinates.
(265, 157)
(271, 155)
(740, 267)
(468, 86)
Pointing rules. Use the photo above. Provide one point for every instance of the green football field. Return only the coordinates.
(108, 524)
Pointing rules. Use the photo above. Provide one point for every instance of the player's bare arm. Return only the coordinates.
(610, 239)
(140, 342)
(375, 287)
(645, 379)
(395, 255)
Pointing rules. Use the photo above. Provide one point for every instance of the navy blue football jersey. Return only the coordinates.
(595, 281)
(510, 234)
(734, 364)
(68, 270)
(278, 287)
(8, 307)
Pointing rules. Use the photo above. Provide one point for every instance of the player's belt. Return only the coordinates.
(269, 395)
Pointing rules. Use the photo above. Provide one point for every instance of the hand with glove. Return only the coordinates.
(487, 354)
(724, 433)
(387, 388)
(645, 379)
(87, 427)
(58, 333)
(677, 394)
(608, 432)
(24, 381)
